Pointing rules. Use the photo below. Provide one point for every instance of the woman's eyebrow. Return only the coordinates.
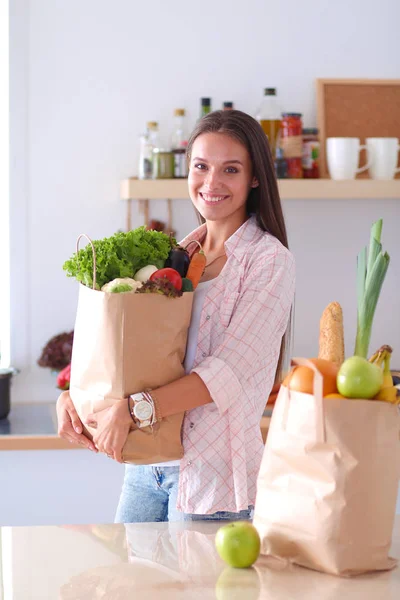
(234, 160)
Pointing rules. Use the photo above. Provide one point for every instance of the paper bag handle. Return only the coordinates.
(318, 395)
(94, 255)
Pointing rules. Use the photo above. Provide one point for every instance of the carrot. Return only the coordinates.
(196, 266)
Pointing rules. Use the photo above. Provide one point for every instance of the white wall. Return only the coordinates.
(86, 76)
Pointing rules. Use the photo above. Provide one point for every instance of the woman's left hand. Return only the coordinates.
(112, 427)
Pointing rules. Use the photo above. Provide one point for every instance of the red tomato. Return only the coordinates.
(170, 274)
(63, 378)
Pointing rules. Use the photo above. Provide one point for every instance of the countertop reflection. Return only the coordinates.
(161, 560)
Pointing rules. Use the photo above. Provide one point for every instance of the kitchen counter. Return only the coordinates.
(34, 427)
(161, 560)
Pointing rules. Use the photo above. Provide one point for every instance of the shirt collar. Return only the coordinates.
(237, 244)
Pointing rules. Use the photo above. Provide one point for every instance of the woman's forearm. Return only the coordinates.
(183, 394)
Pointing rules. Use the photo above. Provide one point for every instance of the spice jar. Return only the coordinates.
(163, 164)
(292, 143)
(310, 153)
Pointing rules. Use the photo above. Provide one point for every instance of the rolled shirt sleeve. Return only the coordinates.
(253, 337)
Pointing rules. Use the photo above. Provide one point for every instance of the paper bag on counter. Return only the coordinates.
(328, 482)
(125, 343)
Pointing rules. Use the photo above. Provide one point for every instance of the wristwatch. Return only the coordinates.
(143, 410)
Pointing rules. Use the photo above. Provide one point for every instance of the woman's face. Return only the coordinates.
(220, 177)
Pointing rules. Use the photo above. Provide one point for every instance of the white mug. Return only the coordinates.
(343, 155)
(384, 153)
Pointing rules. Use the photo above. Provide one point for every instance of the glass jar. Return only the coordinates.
(163, 164)
(292, 143)
(310, 153)
(280, 163)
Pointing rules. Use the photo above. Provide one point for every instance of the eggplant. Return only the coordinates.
(179, 260)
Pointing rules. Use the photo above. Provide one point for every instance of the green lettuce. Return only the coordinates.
(120, 255)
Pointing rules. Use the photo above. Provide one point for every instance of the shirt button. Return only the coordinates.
(208, 317)
(190, 462)
(204, 354)
(191, 425)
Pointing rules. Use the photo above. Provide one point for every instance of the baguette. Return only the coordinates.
(331, 334)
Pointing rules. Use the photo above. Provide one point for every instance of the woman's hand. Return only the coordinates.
(69, 424)
(112, 427)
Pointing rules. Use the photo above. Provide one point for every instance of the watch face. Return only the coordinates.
(143, 410)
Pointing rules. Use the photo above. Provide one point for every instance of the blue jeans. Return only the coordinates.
(150, 494)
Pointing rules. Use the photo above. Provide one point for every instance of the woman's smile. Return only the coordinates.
(212, 199)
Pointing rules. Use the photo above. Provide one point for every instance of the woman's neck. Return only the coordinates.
(220, 231)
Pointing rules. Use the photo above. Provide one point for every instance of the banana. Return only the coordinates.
(388, 392)
(387, 376)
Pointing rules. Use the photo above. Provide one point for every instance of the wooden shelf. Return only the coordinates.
(300, 189)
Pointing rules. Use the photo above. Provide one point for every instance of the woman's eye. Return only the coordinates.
(232, 170)
(200, 166)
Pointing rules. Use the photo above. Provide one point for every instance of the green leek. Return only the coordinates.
(361, 275)
(370, 278)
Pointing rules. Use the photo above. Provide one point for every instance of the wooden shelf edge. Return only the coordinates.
(300, 189)
(35, 442)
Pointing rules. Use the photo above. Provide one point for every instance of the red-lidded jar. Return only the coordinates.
(292, 143)
(310, 153)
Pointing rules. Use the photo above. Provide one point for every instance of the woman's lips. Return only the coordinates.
(213, 199)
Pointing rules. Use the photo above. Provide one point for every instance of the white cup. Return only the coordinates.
(384, 153)
(343, 155)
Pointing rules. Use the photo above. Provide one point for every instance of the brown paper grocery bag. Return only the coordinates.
(328, 482)
(123, 344)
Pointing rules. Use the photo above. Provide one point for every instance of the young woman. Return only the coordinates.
(236, 340)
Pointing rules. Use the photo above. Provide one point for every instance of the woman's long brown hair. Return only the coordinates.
(263, 201)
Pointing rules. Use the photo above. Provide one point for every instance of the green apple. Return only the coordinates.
(238, 544)
(358, 378)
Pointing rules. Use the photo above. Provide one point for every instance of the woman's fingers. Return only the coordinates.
(118, 455)
(69, 424)
(91, 420)
(76, 438)
(111, 447)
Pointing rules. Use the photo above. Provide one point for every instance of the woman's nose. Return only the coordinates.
(212, 180)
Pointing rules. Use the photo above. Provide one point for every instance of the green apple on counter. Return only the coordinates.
(238, 544)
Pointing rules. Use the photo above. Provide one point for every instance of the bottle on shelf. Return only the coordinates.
(227, 106)
(179, 141)
(269, 117)
(205, 107)
(280, 163)
(148, 142)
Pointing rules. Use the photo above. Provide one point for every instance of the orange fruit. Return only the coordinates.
(301, 379)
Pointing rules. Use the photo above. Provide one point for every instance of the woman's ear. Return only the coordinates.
(254, 183)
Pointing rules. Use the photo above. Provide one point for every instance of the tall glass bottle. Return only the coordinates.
(179, 142)
(205, 107)
(148, 141)
(269, 117)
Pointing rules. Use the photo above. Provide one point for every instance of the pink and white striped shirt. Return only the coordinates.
(244, 317)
